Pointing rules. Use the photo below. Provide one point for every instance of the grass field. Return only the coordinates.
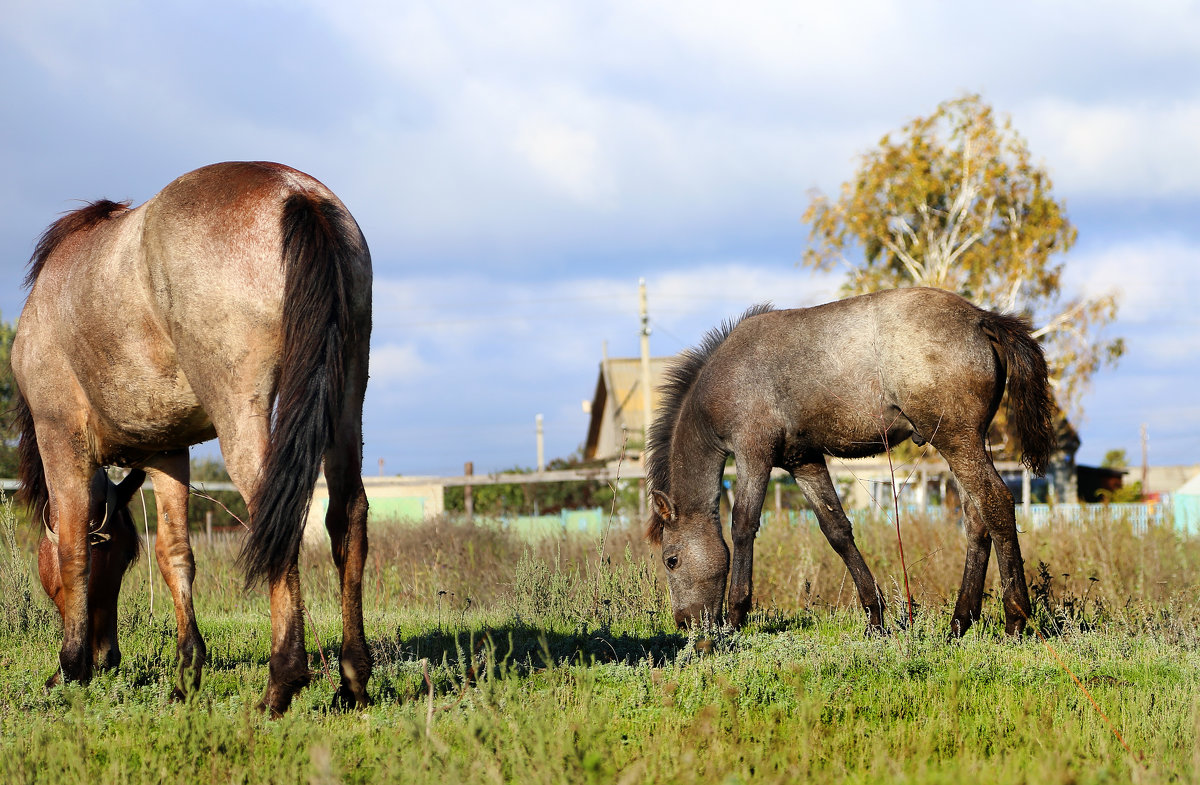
(502, 661)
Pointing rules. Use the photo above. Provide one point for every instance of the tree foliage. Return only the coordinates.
(954, 201)
(8, 400)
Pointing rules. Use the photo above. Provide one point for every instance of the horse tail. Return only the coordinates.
(323, 250)
(33, 492)
(1031, 404)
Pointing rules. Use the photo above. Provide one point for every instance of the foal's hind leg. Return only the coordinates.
(170, 473)
(813, 479)
(990, 515)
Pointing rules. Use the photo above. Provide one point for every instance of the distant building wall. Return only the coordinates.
(389, 498)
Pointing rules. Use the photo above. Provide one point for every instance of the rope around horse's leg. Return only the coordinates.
(149, 557)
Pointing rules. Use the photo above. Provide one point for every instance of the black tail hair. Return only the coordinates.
(321, 243)
(1031, 404)
(33, 492)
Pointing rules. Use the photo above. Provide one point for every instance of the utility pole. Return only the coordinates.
(1145, 462)
(646, 383)
(468, 497)
(541, 446)
(644, 313)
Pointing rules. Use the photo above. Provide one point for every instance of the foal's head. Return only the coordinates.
(696, 558)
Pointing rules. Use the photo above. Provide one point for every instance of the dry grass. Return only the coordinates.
(1081, 573)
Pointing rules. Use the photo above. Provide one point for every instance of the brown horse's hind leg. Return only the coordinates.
(244, 443)
(347, 525)
(288, 667)
(991, 516)
(346, 522)
(170, 473)
(814, 481)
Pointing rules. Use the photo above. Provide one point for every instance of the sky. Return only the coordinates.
(517, 166)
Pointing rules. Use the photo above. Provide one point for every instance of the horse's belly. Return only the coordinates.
(151, 418)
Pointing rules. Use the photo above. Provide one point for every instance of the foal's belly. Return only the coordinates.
(846, 437)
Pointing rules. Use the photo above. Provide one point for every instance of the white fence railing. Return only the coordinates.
(1139, 515)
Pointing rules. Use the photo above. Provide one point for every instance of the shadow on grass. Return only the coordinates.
(527, 645)
(446, 662)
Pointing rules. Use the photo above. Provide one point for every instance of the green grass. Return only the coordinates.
(563, 667)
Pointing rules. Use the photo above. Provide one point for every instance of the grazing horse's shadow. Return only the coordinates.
(458, 657)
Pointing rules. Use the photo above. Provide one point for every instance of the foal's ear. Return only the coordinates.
(129, 486)
(664, 508)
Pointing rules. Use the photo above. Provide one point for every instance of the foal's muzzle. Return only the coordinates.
(696, 613)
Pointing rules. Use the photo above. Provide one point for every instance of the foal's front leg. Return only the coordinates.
(817, 486)
(747, 510)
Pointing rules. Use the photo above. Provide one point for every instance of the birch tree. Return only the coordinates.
(953, 201)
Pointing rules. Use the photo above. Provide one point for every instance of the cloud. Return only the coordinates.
(516, 166)
(1154, 277)
(397, 363)
(1143, 148)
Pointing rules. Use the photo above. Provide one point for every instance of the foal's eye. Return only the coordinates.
(672, 562)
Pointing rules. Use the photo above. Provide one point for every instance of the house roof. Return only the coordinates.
(618, 403)
(1189, 488)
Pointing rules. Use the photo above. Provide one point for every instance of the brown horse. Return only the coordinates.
(848, 379)
(235, 303)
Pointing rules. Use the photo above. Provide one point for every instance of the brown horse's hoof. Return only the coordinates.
(347, 698)
(54, 680)
(1014, 628)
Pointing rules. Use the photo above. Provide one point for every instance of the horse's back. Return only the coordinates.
(216, 232)
(161, 317)
(214, 240)
(831, 374)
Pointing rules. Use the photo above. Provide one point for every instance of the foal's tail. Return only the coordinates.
(323, 253)
(33, 492)
(1030, 401)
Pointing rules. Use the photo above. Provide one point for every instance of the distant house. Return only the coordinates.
(1096, 483)
(1185, 501)
(616, 409)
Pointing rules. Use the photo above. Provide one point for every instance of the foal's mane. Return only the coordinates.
(75, 221)
(679, 378)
